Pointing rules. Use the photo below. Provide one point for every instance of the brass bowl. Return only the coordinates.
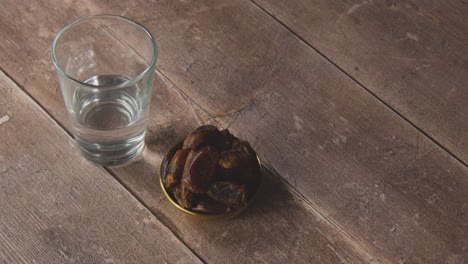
(167, 158)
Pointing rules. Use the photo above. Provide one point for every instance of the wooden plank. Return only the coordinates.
(58, 208)
(419, 67)
(376, 198)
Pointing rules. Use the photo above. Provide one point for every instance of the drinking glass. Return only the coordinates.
(105, 67)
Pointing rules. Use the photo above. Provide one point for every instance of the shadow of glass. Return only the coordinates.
(160, 138)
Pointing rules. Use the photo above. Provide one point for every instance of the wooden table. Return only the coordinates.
(359, 110)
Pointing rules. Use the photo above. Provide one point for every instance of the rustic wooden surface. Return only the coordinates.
(358, 172)
(58, 208)
(413, 55)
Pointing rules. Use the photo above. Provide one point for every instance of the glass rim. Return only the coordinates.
(86, 18)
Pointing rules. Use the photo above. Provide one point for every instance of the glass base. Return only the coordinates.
(112, 154)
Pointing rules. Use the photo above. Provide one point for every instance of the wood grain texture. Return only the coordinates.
(449, 15)
(295, 231)
(360, 179)
(358, 183)
(418, 66)
(58, 208)
(279, 227)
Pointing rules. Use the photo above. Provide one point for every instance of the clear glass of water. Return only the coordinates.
(105, 67)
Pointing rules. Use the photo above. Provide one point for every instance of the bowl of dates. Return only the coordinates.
(211, 174)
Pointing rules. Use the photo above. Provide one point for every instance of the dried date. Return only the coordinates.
(226, 140)
(203, 136)
(199, 169)
(228, 193)
(211, 171)
(210, 206)
(184, 197)
(243, 146)
(231, 159)
(176, 168)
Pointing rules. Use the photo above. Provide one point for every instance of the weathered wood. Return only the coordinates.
(360, 176)
(372, 178)
(361, 166)
(294, 230)
(279, 227)
(58, 208)
(393, 49)
(449, 15)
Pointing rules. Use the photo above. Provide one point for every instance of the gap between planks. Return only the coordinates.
(112, 174)
(359, 84)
